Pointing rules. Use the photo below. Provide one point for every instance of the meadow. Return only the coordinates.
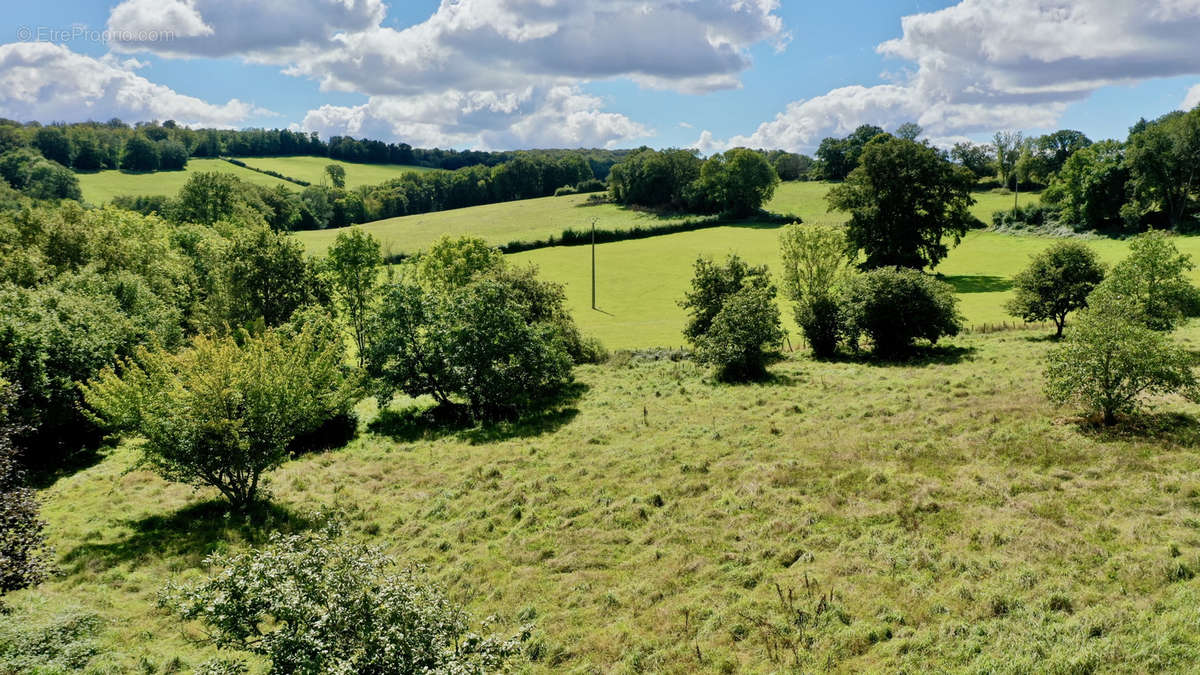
(312, 169)
(498, 224)
(942, 518)
(101, 186)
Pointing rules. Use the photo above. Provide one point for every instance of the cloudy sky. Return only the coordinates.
(499, 74)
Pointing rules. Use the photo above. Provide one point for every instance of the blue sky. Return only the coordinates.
(518, 73)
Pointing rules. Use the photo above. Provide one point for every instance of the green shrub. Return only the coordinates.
(273, 388)
(1151, 282)
(60, 643)
(1110, 360)
(316, 604)
(734, 318)
(896, 307)
(816, 261)
(564, 191)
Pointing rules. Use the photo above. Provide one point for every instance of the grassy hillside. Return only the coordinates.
(640, 282)
(533, 219)
(930, 517)
(528, 219)
(101, 186)
(312, 169)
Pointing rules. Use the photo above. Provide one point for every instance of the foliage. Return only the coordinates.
(223, 411)
(1111, 360)
(904, 199)
(353, 265)
(141, 154)
(270, 277)
(24, 555)
(63, 642)
(655, 178)
(315, 603)
(894, 307)
(453, 262)
(38, 177)
(1090, 189)
(738, 182)
(975, 157)
(1151, 283)
(836, 158)
(475, 342)
(789, 165)
(734, 318)
(1056, 283)
(1163, 158)
(337, 175)
(815, 261)
(208, 197)
(1008, 146)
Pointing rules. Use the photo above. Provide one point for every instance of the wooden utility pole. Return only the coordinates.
(593, 263)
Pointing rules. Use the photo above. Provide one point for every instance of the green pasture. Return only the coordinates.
(639, 282)
(312, 169)
(101, 186)
(528, 219)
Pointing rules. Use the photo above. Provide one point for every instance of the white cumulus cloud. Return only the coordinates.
(560, 116)
(45, 81)
(986, 64)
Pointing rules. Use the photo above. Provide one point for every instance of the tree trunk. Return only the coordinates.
(1110, 418)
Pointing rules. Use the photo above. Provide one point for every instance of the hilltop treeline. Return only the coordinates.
(91, 146)
(210, 197)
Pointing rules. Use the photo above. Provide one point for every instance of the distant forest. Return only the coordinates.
(151, 146)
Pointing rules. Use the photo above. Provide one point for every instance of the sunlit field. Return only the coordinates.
(312, 169)
(101, 186)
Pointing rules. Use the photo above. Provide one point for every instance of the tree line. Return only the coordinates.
(154, 146)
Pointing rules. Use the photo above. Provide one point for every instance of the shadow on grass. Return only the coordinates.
(418, 423)
(1167, 427)
(939, 355)
(198, 529)
(978, 283)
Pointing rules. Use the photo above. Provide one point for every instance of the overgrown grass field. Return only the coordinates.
(101, 186)
(312, 169)
(846, 516)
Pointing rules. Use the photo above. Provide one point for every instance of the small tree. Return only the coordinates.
(337, 175)
(1151, 283)
(1111, 359)
(734, 317)
(1056, 283)
(313, 603)
(896, 307)
(815, 260)
(904, 199)
(221, 413)
(353, 264)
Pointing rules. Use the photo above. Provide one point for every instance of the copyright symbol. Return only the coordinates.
(24, 33)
